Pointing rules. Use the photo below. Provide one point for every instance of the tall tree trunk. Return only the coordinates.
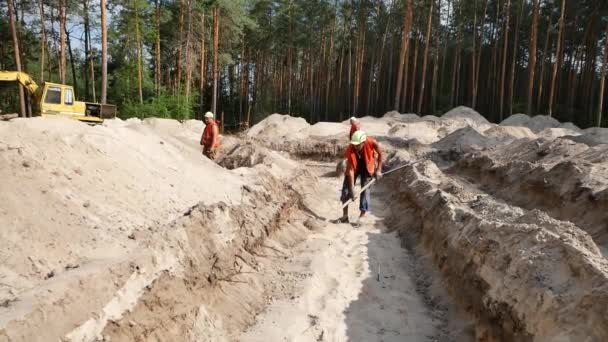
(600, 106)
(456, 58)
(20, 31)
(216, 44)
(389, 78)
(532, 53)
(157, 71)
(203, 65)
(349, 74)
(62, 31)
(188, 58)
(75, 81)
(558, 53)
(104, 53)
(514, 60)
(11, 18)
(473, 56)
(359, 61)
(339, 85)
(445, 47)
(370, 84)
(178, 56)
(85, 7)
(480, 49)
(242, 80)
(330, 61)
(414, 67)
(405, 39)
(381, 59)
(479, 52)
(541, 79)
(503, 76)
(140, 78)
(493, 78)
(435, 66)
(290, 60)
(42, 39)
(406, 83)
(54, 40)
(426, 56)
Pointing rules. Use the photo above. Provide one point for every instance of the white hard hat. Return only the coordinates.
(358, 138)
(354, 119)
(209, 115)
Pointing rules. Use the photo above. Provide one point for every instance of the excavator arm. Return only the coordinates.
(22, 78)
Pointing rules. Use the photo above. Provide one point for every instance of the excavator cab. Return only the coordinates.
(58, 100)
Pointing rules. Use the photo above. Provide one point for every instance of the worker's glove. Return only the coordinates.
(378, 175)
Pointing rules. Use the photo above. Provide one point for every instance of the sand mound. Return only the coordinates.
(194, 125)
(277, 126)
(96, 185)
(393, 114)
(464, 139)
(431, 118)
(535, 123)
(248, 154)
(509, 133)
(465, 113)
(396, 116)
(571, 126)
(426, 132)
(591, 136)
(554, 133)
(325, 129)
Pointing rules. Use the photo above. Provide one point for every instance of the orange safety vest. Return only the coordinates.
(353, 128)
(368, 154)
(210, 131)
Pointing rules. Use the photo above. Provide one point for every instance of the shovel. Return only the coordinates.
(374, 181)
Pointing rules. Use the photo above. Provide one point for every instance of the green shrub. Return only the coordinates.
(164, 106)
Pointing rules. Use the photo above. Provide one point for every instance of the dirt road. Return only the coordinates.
(361, 285)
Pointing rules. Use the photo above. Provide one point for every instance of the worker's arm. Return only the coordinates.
(378, 149)
(215, 136)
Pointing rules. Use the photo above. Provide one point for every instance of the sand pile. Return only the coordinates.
(563, 178)
(424, 131)
(592, 136)
(465, 113)
(520, 268)
(75, 198)
(248, 154)
(373, 126)
(464, 139)
(508, 134)
(394, 115)
(536, 123)
(277, 126)
(554, 133)
(326, 129)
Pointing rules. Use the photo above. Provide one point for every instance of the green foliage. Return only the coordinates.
(164, 106)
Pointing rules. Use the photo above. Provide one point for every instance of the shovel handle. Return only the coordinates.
(374, 180)
(362, 189)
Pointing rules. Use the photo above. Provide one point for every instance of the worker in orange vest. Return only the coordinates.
(364, 160)
(210, 139)
(355, 125)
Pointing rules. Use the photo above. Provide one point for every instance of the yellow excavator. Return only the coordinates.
(57, 100)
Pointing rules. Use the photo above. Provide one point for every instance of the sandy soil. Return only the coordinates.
(124, 232)
(362, 286)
